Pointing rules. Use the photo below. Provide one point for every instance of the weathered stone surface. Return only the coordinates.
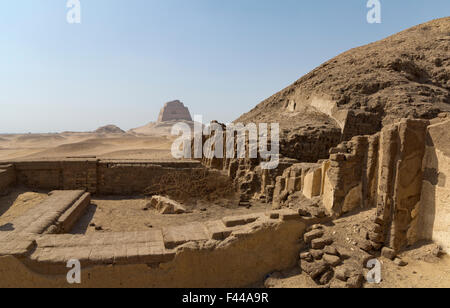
(314, 269)
(388, 253)
(332, 260)
(355, 282)
(320, 243)
(400, 262)
(344, 272)
(166, 206)
(306, 256)
(313, 183)
(434, 213)
(331, 251)
(308, 237)
(316, 254)
(326, 277)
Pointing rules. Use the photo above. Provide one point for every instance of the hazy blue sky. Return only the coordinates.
(128, 57)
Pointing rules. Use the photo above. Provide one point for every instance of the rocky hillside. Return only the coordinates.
(109, 129)
(359, 91)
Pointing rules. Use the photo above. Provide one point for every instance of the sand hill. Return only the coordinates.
(405, 75)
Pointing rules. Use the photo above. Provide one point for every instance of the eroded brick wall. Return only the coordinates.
(7, 178)
(110, 177)
(63, 175)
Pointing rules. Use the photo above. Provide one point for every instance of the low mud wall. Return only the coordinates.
(109, 177)
(7, 178)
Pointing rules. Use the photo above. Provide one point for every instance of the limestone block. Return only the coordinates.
(166, 206)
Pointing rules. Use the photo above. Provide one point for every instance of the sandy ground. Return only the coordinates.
(423, 269)
(118, 146)
(115, 214)
(16, 203)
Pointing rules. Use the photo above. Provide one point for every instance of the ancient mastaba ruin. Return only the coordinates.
(174, 111)
(360, 197)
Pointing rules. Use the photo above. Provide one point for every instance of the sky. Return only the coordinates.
(128, 57)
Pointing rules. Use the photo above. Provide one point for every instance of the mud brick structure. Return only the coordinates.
(207, 254)
(107, 177)
(174, 111)
(7, 178)
(400, 172)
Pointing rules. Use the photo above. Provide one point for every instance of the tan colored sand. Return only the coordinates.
(119, 146)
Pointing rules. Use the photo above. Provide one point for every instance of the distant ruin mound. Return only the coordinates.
(174, 111)
(109, 129)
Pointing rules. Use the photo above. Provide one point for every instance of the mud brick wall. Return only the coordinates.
(310, 146)
(102, 177)
(58, 175)
(7, 178)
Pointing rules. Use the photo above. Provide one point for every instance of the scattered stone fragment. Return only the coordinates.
(315, 227)
(344, 272)
(318, 269)
(314, 269)
(331, 251)
(332, 260)
(314, 234)
(400, 262)
(344, 253)
(326, 278)
(303, 212)
(376, 237)
(364, 245)
(306, 256)
(166, 206)
(320, 243)
(355, 282)
(316, 254)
